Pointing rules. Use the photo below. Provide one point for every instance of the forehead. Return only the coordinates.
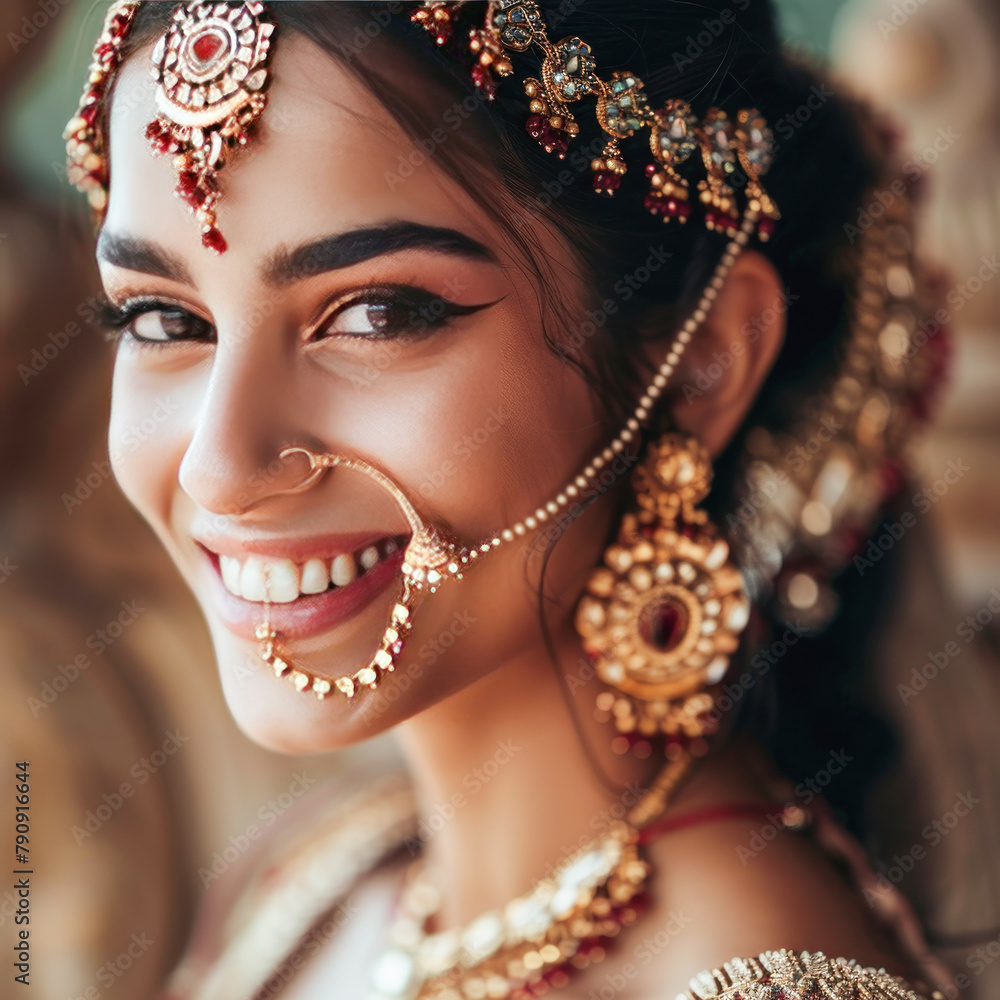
(327, 157)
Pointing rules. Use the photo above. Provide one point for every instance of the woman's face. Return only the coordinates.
(356, 312)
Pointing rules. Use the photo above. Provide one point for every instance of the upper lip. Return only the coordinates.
(299, 549)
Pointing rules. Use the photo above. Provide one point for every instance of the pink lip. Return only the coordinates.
(308, 615)
(299, 550)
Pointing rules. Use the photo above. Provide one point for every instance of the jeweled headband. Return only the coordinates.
(211, 70)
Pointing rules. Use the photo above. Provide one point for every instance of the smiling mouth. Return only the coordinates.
(304, 598)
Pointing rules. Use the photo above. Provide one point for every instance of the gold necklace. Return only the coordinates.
(536, 938)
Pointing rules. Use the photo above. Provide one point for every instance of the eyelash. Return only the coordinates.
(425, 312)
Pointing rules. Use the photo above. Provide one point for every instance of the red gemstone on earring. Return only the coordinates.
(207, 47)
(607, 182)
(664, 626)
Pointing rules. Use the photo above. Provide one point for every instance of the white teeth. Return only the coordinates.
(343, 569)
(315, 577)
(230, 568)
(283, 580)
(253, 586)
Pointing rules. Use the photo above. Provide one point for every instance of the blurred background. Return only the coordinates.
(108, 676)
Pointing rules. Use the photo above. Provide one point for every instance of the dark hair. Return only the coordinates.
(713, 53)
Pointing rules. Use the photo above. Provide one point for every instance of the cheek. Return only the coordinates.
(147, 434)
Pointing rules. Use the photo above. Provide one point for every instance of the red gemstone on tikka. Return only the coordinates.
(187, 182)
(89, 114)
(214, 240)
(208, 46)
(765, 227)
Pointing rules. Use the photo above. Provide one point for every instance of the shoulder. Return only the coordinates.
(717, 895)
(775, 974)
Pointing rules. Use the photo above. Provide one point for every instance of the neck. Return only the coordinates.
(506, 786)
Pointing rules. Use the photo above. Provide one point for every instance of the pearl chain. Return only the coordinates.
(641, 413)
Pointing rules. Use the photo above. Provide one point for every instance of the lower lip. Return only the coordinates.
(308, 615)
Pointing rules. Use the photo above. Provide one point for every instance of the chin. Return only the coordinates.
(269, 711)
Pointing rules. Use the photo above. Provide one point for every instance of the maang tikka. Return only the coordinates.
(211, 71)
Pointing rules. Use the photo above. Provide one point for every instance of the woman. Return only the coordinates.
(443, 327)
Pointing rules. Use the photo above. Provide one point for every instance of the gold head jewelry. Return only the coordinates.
(211, 71)
(622, 109)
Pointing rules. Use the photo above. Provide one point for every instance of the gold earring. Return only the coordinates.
(661, 618)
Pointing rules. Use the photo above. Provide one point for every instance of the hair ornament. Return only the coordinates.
(568, 74)
(211, 71)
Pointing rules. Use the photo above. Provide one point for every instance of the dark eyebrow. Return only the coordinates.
(357, 245)
(135, 254)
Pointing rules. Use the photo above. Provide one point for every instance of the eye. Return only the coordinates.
(154, 322)
(374, 318)
(393, 312)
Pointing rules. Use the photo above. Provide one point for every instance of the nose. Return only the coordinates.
(247, 414)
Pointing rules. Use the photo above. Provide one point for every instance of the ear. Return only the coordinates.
(729, 355)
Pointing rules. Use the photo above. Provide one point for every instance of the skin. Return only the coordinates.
(237, 399)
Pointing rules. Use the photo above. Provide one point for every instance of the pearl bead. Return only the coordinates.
(530, 523)
(645, 401)
(684, 337)
(507, 535)
(553, 507)
(659, 382)
(633, 424)
(642, 412)
(698, 316)
(571, 490)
